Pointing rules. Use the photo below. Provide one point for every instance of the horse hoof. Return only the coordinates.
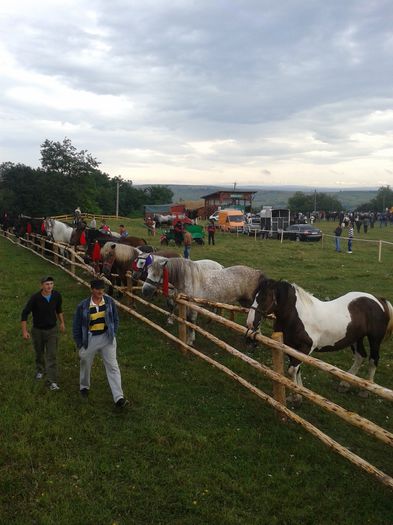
(295, 401)
(343, 387)
(363, 393)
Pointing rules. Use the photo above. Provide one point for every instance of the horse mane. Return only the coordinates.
(389, 312)
(123, 252)
(305, 297)
(176, 268)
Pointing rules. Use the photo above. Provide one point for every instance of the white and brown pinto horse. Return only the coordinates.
(309, 324)
(206, 280)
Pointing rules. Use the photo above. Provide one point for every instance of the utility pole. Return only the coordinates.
(315, 200)
(117, 198)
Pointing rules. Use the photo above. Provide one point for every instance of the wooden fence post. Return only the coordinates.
(278, 366)
(55, 249)
(183, 327)
(130, 300)
(42, 244)
(72, 268)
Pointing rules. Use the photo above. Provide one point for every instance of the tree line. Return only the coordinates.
(308, 202)
(68, 178)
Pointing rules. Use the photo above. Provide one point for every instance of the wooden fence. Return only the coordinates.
(63, 255)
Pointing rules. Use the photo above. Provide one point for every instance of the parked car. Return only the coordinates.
(302, 232)
(231, 220)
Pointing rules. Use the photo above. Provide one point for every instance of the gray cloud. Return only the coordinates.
(197, 85)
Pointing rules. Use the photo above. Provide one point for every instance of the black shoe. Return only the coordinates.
(122, 402)
(84, 393)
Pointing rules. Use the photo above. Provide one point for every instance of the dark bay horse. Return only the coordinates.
(309, 324)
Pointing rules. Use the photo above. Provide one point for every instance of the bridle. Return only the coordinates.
(269, 310)
(251, 333)
(155, 284)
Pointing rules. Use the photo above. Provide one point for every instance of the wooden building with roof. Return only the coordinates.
(239, 199)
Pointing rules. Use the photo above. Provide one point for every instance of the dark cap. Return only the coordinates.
(98, 284)
(46, 279)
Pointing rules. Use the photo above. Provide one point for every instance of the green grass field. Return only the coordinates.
(194, 447)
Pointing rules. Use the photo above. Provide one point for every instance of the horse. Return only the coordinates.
(118, 258)
(121, 257)
(144, 260)
(164, 219)
(58, 231)
(309, 324)
(92, 235)
(206, 280)
(25, 224)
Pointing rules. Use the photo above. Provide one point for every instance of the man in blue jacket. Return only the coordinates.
(94, 330)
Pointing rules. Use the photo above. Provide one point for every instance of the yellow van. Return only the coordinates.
(231, 220)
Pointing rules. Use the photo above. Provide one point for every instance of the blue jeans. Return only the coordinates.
(349, 245)
(186, 253)
(337, 244)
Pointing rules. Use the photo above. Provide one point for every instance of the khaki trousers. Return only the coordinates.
(45, 344)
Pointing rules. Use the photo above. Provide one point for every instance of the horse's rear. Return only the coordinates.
(133, 241)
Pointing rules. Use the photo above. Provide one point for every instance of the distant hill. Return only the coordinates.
(274, 196)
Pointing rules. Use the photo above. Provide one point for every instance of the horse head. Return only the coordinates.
(154, 278)
(265, 303)
(49, 226)
(140, 266)
(108, 258)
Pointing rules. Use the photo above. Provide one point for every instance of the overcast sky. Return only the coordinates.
(203, 91)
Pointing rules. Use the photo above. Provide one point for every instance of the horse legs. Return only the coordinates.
(192, 317)
(359, 353)
(295, 374)
(171, 306)
(372, 363)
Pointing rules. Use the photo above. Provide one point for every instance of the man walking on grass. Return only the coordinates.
(94, 330)
(46, 307)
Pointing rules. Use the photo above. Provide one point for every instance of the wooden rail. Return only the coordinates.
(36, 245)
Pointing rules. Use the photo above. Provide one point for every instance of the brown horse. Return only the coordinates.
(121, 257)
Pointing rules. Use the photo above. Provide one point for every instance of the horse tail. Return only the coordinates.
(389, 311)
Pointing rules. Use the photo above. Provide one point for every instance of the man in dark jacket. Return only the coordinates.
(94, 330)
(46, 307)
(337, 232)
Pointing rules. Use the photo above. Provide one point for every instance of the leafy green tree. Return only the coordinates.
(63, 157)
(305, 202)
(382, 200)
(159, 194)
(69, 178)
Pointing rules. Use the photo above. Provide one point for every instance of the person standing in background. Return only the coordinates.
(123, 232)
(46, 307)
(187, 240)
(350, 237)
(337, 232)
(211, 230)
